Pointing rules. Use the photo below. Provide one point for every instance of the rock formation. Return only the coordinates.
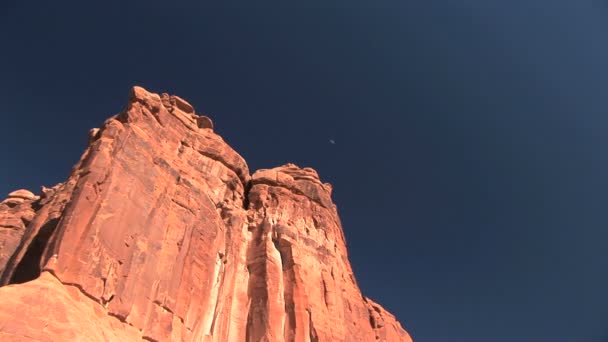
(160, 233)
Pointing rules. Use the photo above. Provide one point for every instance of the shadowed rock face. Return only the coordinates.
(161, 234)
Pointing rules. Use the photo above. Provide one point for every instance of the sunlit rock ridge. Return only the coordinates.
(160, 233)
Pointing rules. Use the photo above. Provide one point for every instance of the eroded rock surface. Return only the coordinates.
(161, 234)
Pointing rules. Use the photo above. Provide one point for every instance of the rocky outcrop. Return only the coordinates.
(16, 213)
(161, 234)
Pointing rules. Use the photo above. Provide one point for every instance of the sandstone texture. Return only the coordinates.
(161, 233)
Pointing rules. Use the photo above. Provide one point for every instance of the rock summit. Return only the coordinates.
(160, 233)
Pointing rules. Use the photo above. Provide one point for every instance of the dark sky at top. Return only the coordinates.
(470, 166)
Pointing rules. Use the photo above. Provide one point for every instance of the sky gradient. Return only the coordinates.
(469, 165)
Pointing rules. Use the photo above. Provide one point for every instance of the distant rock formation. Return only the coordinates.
(161, 234)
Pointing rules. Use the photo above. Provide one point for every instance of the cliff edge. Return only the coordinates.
(160, 233)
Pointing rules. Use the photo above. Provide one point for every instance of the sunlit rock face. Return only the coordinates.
(161, 234)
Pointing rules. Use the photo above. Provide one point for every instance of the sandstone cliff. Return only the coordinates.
(160, 233)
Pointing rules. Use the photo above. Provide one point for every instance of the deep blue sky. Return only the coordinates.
(470, 165)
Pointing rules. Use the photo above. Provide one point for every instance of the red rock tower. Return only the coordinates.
(161, 234)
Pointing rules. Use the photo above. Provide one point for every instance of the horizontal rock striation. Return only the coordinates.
(161, 234)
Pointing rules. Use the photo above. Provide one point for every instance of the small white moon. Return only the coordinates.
(331, 141)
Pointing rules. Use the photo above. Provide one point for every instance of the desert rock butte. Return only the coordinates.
(160, 233)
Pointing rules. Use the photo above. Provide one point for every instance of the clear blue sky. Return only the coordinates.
(470, 162)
